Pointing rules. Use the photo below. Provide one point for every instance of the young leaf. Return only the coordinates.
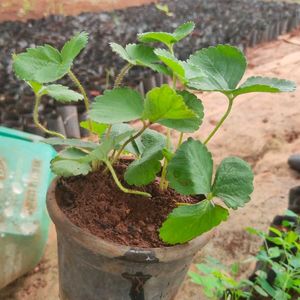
(67, 168)
(265, 85)
(172, 62)
(220, 68)
(42, 64)
(97, 128)
(184, 30)
(101, 151)
(190, 124)
(190, 170)
(144, 170)
(168, 38)
(73, 47)
(233, 182)
(61, 93)
(121, 128)
(164, 103)
(188, 222)
(139, 55)
(71, 153)
(125, 103)
(70, 142)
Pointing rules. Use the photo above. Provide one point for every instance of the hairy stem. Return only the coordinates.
(129, 141)
(122, 74)
(119, 184)
(180, 139)
(163, 184)
(85, 97)
(220, 123)
(36, 118)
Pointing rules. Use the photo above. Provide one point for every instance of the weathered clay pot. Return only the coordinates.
(91, 268)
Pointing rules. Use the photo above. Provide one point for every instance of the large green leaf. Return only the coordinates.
(172, 62)
(220, 68)
(168, 38)
(164, 103)
(233, 182)
(67, 168)
(190, 124)
(265, 85)
(139, 55)
(61, 93)
(190, 170)
(117, 106)
(41, 64)
(187, 222)
(71, 153)
(143, 171)
(73, 47)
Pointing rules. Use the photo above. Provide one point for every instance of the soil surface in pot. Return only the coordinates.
(94, 203)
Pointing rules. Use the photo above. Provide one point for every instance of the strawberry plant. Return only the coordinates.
(186, 165)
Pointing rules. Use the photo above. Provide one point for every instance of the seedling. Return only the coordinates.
(185, 166)
(281, 260)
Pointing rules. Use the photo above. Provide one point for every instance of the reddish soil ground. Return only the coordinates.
(263, 129)
(32, 9)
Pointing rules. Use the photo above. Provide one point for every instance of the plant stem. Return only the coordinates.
(36, 118)
(163, 182)
(220, 123)
(180, 140)
(122, 74)
(85, 97)
(119, 184)
(129, 141)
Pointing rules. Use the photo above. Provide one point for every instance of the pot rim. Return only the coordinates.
(111, 249)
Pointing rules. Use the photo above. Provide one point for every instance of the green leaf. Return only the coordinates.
(41, 64)
(172, 62)
(117, 106)
(265, 85)
(190, 124)
(101, 151)
(139, 55)
(67, 168)
(163, 37)
(188, 222)
(190, 170)
(73, 47)
(71, 153)
(35, 86)
(220, 68)
(168, 38)
(184, 30)
(121, 128)
(97, 128)
(144, 170)
(70, 142)
(61, 93)
(164, 103)
(233, 182)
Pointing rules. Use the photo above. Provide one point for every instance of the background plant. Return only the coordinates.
(187, 166)
(278, 275)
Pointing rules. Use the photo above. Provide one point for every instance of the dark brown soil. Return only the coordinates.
(96, 204)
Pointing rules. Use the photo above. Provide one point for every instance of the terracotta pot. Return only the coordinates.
(91, 268)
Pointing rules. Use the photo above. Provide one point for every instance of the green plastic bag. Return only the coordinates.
(24, 179)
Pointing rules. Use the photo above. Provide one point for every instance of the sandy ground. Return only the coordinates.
(264, 130)
(33, 9)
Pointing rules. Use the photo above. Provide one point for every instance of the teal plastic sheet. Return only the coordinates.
(24, 179)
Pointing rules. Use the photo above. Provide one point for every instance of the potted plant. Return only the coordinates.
(128, 228)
